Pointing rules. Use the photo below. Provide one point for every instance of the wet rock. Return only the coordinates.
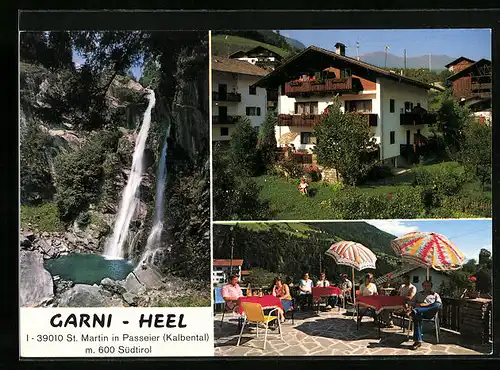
(113, 286)
(70, 238)
(35, 283)
(133, 285)
(82, 295)
(130, 298)
(30, 235)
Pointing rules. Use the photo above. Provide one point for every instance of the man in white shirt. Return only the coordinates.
(346, 287)
(407, 289)
(322, 282)
(305, 290)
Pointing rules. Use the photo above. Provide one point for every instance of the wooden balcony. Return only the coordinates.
(301, 120)
(479, 87)
(229, 97)
(417, 119)
(331, 85)
(228, 120)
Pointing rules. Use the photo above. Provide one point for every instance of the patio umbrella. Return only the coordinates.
(352, 254)
(429, 250)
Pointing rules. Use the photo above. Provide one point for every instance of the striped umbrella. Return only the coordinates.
(352, 254)
(429, 250)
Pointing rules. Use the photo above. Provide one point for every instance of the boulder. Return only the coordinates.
(130, 298)
(35, 283)
(30, 235)
(113, 286)
(47, 249)
(149, 276)
(82, 295)
(24, 242)
(133, 285)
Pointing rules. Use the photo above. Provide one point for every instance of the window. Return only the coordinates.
(392, 105)
(306, 108)
(307, 138)
(415, 279)
(282, 89)
(252, 111)
(258, 111)
(252, 90)
(224, 131)
(358, 106)
(408, 107)
(392, 136)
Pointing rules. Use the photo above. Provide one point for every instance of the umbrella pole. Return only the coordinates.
(427, 273)
(354, 295)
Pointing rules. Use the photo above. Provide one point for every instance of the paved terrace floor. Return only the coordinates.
(334, 334)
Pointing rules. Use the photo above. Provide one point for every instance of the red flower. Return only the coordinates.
(389, 196)
(472, 278)
(389, 276)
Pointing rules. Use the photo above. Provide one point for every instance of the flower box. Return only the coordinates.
(296, 83)
(317, 82)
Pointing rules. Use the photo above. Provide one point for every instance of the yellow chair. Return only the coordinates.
(255, 315)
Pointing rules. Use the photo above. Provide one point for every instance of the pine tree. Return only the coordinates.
(267, 140)
(243, 149)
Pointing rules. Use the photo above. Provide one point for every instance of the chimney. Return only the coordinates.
(340, 48)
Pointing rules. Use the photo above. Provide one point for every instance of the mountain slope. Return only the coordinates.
(225, 45)
(378, 58)
(295, 43)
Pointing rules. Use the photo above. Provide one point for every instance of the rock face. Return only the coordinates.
(82, 295)
(36, 283)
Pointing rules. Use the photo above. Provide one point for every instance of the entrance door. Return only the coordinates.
(408, 136)
(222, 114)
(222, 91)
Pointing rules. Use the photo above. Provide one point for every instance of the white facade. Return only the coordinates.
(220, 273)
(254, 60)
(418, 276)
(387, 121)
(237, 83)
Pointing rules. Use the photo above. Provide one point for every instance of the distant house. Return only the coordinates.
(394, 106)
(417, 277)
(266, 59)
(471, 85)
(222, 268)
(234, 96)
(459, 64)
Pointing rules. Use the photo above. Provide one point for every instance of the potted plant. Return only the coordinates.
(387, 284)
(472, 293)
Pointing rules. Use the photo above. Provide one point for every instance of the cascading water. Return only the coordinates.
(128, 204)
(154, 237)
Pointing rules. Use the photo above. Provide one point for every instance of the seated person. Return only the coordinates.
(367, 289)
(346, 287)
(231, 293)
(305, 290)
(322, 282)
(407, 290)
(425, 305)
(303, 186)
(282, 291)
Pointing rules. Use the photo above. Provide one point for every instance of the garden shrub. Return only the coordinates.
(378, 171)
(446, 178)
(83, 219)
(314, 173)
(288, 168)
(470, 203)
(44, 217)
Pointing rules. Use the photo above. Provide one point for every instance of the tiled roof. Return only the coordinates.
(221, 262)
(225, 64)
(458, 60)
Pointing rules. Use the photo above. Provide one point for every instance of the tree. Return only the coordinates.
(450, 122)
(475, 150)
(243, 147)
(484, 257)
(345, 142)
(60, 50)
(267, 140)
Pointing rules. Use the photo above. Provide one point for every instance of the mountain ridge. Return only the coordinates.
(377, 58)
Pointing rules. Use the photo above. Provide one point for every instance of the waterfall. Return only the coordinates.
(154, 237)
(128, 204)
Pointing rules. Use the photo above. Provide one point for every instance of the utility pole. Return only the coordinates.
(357, 50)
(320, 264)
(404, 60)
(429, 62)
(232, 252)
(386, 48)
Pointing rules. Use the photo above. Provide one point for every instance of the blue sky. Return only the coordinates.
(473, 43)
(470, 236)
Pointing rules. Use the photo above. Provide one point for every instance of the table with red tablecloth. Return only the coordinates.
(266, 301)
(380, 303)
(328, 291)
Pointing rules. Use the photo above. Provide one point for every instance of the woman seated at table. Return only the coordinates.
(367, 289)
(282, 291)
(425, 305)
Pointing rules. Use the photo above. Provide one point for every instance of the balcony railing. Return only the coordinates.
(483, 86)
(309, 120)
(230, 97)
(228, 120)
(320, 86)
(306, 120)
(417, 118)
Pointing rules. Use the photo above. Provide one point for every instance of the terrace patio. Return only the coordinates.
(334, 334)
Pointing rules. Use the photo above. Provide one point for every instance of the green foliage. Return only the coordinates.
(235, 195)
(225, 43)
(243, 147)
(287, 168)
(378, 171)
(151, 74)
(188, 300)
(260, 278)
(44, 217)
(446, 178)
(344, 142)
(473, 204)
(80, 174)
(83, 219)
(267, 139)
(313, 172)
(35, 175)
(476, 150)
(451, 119)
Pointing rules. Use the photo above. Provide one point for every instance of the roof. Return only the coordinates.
(468, 68)
(255, 49)
(458, 60)
(238, 54)
(279, 75)
(245, 272)
(221, 262)
(224, 64)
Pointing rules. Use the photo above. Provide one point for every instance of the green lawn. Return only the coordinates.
(287, 203)
(296, 229)
(224, 45)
